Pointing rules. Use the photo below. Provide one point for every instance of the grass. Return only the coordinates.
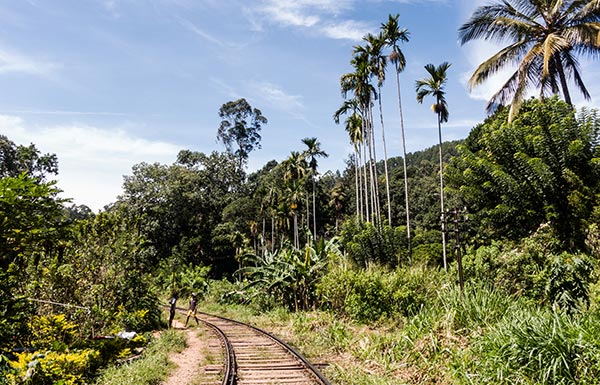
(474, 336)
(151, 368)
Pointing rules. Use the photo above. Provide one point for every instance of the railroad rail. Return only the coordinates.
(254, 356)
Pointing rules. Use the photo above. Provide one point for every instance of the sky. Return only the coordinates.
(107, 84)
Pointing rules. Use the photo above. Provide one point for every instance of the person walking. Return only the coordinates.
(192, 309)
(173, 304)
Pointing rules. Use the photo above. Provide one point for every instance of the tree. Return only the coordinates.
(358, 84)
(313, 152)
(17, 159)
(241, 125)
(30, 226)
(377, 66)
(393, 35)
(180, 204)
(544, 38)
(354, 128)
(434, 86)
(294, 172)
(541, 168)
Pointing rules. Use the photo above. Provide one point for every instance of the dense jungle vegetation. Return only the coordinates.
(473, 261)
(529, 243)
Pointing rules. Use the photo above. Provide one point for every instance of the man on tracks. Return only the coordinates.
(192, 309)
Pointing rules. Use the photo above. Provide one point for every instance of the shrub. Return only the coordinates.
(541, 347)
(67, 368)
(475, 307)
(366, 244)
(534, 269)
(52, 332)
(368, 295)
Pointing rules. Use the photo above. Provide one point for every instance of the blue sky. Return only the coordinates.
(106, 84)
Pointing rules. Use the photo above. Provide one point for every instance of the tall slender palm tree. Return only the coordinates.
(354, 127)
(544, 38)
(358, 83)
(434, 86)
(378, 64)
(294, 171)
(312, 153)
(393, 35)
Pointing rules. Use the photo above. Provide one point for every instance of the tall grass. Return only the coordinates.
(151, 368)
(538, 346)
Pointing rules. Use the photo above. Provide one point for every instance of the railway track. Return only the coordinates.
(254, 357)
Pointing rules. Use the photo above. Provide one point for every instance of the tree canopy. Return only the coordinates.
(543, 167)
(241, 126)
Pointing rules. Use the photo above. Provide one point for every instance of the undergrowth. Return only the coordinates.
(151, 368)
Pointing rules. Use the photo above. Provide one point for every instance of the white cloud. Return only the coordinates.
(477, 52)
(198, 31)
(92, 160)
(349, 29)
(275, 96)
(312, 15)
(16, 62)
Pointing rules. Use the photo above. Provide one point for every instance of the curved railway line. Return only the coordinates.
(254, 357)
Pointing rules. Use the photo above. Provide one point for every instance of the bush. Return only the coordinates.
(541, 347)
(475, 307)
(52, 332)
(368, 295)
(67, 368)
(534, 269)
(366, 244)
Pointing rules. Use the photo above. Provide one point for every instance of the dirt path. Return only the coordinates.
(189, 361)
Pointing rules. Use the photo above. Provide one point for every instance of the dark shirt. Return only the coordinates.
(193, 303)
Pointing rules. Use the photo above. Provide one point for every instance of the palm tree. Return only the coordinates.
(378, 64)
(336, 201)
(358, 83)
(312, 152)
(544, 38)
(434, 86)
(294, 171)
(354, 127)
(393, 35)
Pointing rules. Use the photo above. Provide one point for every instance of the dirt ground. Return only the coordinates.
(189, 361)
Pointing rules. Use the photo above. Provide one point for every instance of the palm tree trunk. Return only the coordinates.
(563, 81)
(375, 180)
(442, 194)
(273, 229)
(357, 184)
(307, 213)
(366, 182)
(404, 166)
(385, 164)
(373, 206)
(314, 209)
(296, 240)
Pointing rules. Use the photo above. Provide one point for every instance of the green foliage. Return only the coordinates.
(540, 168)
(367, 244)
(178, 206)
(241, 125)
(151, 368)
(376, 293)
(50, 368)
(16, 160)
(475, 307)
(104, 273)
(30, 223)
(181, 280)
(290, 275)
(539, 347)
(533, 269)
